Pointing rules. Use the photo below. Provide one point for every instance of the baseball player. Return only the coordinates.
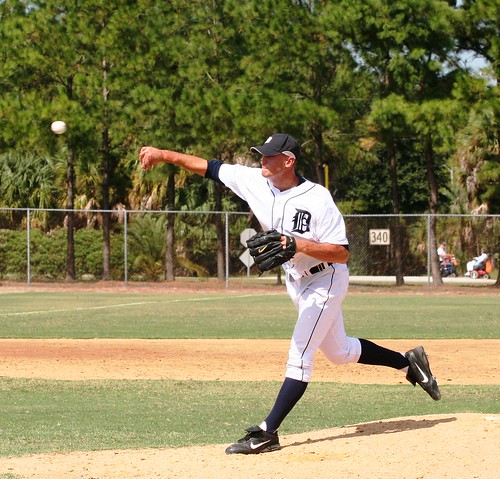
(311, 231)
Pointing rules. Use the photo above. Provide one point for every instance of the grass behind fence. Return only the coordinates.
(238, 315)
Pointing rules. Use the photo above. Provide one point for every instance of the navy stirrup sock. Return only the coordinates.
(374, 354)
(290, 393)
(292, 390)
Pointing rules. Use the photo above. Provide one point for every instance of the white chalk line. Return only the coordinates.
(140, 303)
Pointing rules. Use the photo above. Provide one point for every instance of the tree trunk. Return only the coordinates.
(317, 134)
(106, 234)
(106, 174)
(433, 208)
(70, 218)
(398, 248)
(170, 230)
(105, 207)
(70, 205)
(279, 280)
(219, 228)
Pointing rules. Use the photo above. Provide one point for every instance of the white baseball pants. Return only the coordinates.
(320, 323)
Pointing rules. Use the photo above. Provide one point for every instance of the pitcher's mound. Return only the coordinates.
(462, 446)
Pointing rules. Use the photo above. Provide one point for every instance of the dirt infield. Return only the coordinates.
(455, 446)
(228, 360)
(461, 446)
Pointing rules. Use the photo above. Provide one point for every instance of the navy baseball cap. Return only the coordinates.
(278, 143)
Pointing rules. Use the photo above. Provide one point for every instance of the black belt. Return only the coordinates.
(317, 268)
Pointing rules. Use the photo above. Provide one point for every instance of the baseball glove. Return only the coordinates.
(267, 250)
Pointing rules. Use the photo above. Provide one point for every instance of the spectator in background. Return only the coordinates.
(476, 262)
(443, 255)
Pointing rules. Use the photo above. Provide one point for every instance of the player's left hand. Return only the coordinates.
(270, 249)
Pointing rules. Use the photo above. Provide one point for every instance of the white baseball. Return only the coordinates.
(58, 127)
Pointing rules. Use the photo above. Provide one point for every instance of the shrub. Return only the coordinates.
(48, 254)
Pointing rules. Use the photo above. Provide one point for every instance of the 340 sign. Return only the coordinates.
(380, 237)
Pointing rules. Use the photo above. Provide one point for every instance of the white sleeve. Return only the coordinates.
(330, 226)
(241, 179)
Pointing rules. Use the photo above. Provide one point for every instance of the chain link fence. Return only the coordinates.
(35, 245)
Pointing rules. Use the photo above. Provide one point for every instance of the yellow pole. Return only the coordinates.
(325, 168)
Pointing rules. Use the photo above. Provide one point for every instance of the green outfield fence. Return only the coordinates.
(204, 245)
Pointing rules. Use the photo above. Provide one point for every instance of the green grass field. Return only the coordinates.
(45, 415)
(224, 315)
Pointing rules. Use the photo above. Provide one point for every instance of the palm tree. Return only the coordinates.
(477, 158)
(147, 245)
(29, 181)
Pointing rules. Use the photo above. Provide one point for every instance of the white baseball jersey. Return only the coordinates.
(305, 211)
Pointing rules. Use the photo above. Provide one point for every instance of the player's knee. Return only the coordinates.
(348, 353)
(299, 370)
(341, 357)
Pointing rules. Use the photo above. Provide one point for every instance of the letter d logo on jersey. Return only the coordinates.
(301, 221)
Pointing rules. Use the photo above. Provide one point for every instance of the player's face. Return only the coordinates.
(274, 165)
